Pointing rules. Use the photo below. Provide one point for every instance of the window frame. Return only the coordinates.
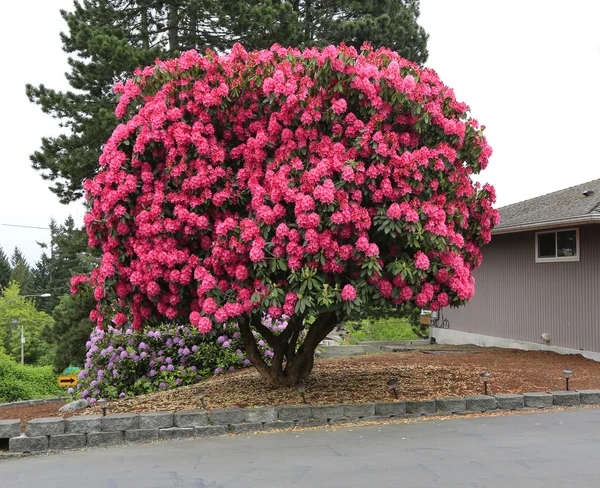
(558, 259)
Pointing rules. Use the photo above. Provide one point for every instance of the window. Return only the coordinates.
(560, 245)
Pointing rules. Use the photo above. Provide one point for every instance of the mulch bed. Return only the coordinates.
(362, 379)
(32, 412)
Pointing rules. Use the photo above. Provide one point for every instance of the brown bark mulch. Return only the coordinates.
(32, 412)
(431, 372)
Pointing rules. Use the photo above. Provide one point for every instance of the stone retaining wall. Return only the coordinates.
(30, 403)
(95, 431)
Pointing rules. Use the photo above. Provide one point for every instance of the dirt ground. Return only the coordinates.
(427, 373)
(32, 412)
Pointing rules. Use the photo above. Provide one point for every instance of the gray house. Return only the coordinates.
(539, 284)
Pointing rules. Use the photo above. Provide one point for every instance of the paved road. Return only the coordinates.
(557, 449)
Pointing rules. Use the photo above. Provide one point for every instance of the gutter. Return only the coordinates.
(581, 220)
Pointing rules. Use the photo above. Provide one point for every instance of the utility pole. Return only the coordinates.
(22, 344)
(16, 322)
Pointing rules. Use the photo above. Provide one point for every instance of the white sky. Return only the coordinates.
(529, 69)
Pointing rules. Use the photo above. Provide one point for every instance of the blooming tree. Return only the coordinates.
(306, 183)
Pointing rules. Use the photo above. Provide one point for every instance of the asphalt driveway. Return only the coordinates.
(553, 449)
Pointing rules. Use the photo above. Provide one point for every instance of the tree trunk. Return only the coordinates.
(173, 27)
(193, 33)
(144, 27)
(288, 365)
(308, 21)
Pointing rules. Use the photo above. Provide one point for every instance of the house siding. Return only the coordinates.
(517, 298)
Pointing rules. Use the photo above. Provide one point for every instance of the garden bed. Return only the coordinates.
(363, 379)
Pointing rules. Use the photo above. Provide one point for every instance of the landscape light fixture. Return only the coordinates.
(392, 384)
(104, 405)
(485, 376)
(567, 373)
(301, 387)
(202, 400)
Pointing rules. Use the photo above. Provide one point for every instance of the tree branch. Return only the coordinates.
(252, 351)
(292, 345)
(322, 326)
(267, 334)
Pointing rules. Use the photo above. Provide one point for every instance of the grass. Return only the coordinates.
(380, 329)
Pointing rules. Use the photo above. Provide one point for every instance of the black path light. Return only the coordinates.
(104, 405)
(392, 384)
(485, 376)
(202, 400)
(567, 373)
(301, 387)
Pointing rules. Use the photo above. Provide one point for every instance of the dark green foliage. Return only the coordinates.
(67, 255)
(390, 23)
(103, 50)
(258, 24)
(71, 329)
(27, 382)
(40, 282)
(5, 269)
(20, 272)
(108, 39)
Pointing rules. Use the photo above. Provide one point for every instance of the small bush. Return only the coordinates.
(380, 329)
(27, 382)
(124, 363)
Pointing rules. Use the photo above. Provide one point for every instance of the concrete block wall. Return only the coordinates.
(93, 431)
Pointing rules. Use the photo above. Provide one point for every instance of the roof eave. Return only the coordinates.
(581, 220)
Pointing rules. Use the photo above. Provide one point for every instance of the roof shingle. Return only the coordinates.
(560, 205)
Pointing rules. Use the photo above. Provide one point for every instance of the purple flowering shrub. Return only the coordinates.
(124, 362)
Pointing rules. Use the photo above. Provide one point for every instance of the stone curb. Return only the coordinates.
(31, 403)
(94, 431)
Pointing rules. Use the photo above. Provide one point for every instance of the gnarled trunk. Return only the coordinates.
(288, 365)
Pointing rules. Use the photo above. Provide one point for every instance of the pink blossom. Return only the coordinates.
(348, 293)
(120, 319)
(237, 195)
(339, 106)
(203, 324)
(394, 212)
(421, 261)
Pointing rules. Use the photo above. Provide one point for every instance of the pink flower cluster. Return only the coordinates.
(234, 178)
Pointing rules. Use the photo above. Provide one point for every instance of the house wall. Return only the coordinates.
(517, 298)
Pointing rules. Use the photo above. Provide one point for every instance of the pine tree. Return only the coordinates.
(67, 254)
(108, 39)
(39, 282)
(5, 269)
(390, 23)
(20, 273)
(71, 329)
(103, 50)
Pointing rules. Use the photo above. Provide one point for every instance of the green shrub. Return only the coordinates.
(27, 382)
(381, 329)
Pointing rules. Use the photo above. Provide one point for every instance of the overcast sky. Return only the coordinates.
(529, 70)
